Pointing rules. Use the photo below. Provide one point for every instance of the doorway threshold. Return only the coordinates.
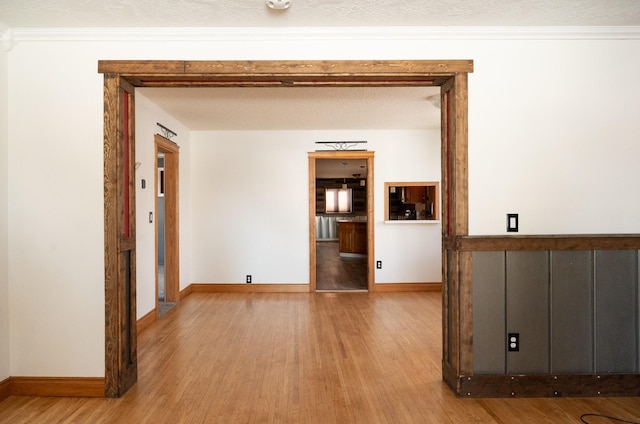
(343, 291)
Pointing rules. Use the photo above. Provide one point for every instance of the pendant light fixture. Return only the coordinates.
(344, 181)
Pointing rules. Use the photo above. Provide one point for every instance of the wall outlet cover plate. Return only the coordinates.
(512, 222)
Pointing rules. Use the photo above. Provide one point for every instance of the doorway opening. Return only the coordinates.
(160, 233)
(120, 80)
(341, 236)
(167, 233)
(341, 225)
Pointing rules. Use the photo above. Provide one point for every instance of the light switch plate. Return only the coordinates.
(512, 223)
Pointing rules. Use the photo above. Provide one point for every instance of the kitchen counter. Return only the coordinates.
(327, 225)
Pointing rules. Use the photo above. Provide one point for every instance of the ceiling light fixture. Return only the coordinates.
(435, 100)
(357, 178)
(278, 4)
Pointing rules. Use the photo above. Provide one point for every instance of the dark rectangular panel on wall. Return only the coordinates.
(489, 344)
(528, 310)
(616, 316)
(572, 311)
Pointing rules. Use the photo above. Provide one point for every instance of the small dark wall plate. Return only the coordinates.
(512, 223)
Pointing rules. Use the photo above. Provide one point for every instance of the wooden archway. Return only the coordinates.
(119, 199)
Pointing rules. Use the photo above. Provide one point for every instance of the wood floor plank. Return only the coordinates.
(300, 358)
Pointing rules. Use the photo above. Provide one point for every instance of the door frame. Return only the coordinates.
(121, 365)
(450, 75)
(345, 155)
(171, 218)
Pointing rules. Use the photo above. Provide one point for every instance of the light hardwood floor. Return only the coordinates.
(301, 358)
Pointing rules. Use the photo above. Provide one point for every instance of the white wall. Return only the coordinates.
(148, 115)
(251, 204)
(4, 223)
(56, 244)
(552, 136)
(410, 251)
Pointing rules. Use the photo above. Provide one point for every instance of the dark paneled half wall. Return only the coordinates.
(575, 311)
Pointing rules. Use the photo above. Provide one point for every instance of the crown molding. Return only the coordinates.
(18, 35)
(7, 38)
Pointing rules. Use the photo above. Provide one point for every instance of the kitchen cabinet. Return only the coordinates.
(415, 194)
(352, 238)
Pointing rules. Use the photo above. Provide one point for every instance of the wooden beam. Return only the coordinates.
(286, 73)
(203, 81)
(549, 385)
(457, 276)
(353, 68)
(545, 242)
(459, 150)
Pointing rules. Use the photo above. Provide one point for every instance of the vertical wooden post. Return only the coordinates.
(110, 234)
(312, 223)
(461, 225)
(457, 284)
(120, 236)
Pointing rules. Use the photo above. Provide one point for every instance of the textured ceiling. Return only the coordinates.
(317, 13)
(299, 108)
(341, 168)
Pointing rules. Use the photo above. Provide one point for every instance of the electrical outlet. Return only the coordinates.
(248, 279)
(379, 264)
(513, 342)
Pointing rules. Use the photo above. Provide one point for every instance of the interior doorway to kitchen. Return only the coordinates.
(340, 213)
(341, 220)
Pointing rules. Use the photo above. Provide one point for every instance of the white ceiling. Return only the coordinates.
(300, 108)
(316, 13)
(308, 108)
